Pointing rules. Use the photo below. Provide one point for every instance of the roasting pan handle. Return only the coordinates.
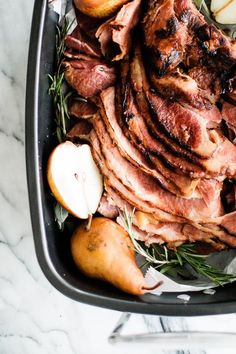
(172, 340)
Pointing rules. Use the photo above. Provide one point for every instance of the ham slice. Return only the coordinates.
(172, 233)
(188, 128)
(116, 32)
(229, 114)
(81, 43)
(228, 221)
(182, 88)
(81, 130)
(89, 77)
(82, 109)
(106, 208)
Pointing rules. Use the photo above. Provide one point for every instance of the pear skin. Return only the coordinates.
(99, 8)
(106, 252)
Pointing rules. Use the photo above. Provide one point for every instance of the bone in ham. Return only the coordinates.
(155, 74)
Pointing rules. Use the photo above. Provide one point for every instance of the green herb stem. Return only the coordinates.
(58, 89)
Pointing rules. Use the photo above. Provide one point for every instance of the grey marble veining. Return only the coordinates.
(34, 317)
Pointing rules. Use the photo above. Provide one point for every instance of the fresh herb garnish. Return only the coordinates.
(60, 215)
(60, 101)
(167, 261)
(59, 90)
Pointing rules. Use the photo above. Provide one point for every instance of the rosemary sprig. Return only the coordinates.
(167, 261)
(60, 101)
(60, 216)
(62, 32)
(58, 89)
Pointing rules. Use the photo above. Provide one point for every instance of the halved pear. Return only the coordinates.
(227, 15)
(74, 179)
(224, 11)
(99, 8)
(216, 5)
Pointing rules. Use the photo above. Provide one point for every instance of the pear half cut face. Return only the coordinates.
(224, 11)
(74, 179)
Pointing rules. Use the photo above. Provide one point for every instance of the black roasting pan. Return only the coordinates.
(52, 246)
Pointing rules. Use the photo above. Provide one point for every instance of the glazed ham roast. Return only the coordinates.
(160, 115)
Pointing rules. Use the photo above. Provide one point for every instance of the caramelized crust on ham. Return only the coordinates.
(164, 35)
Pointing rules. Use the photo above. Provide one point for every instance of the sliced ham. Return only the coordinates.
(165, 36)
(112, 183)
(229, 114)
(209, 189)
(182, 88)
(153, 231)
(208, 80)
(82, 109)
(86, 25)
(81, 130)
(81, 43)
(167, 178)
(117, 32)
(145, 132)
(220, 49)
(123, 25)
(107, 209)
(158, 133)
(89, 77)
(104, 36)
(147, 189)
(188, 128)
(214, 166)
(228, 221)
(123, 198)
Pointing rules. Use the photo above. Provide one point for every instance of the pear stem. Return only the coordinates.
(90, 218)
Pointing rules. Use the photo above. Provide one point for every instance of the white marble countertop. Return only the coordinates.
(34, 317)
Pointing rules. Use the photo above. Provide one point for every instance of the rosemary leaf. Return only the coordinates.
(60, 216)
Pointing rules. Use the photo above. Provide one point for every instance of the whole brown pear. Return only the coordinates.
(99, 8)
(106, 252)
